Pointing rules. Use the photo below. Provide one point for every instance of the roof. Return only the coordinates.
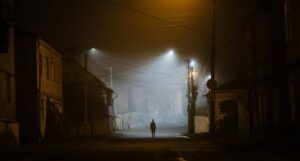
(239, 83)
(90, 75)
(22, 32)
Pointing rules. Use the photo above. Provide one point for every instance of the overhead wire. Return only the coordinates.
(163, 20)
(138, 80)
(139, 12)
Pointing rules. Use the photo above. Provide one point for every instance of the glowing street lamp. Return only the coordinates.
(86, 54)
(93, 50)
(171, 52)
(192, 63)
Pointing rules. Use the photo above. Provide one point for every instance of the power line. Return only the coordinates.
(136, 11)
(143, 80)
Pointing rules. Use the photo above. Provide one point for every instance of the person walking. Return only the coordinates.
(153, 128)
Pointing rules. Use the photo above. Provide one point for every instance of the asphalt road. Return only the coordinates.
(166, 130)
(137, 145)
(119, 149)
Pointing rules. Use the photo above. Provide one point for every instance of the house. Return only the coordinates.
(273, 50)
(38, 85)
(231, 109)
(9, 127)
(99, 121)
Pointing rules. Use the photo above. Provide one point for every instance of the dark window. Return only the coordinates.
(8, 87)
(3, 37)
(47, 68)
(228, 107)
(229, 123)
(41, 65)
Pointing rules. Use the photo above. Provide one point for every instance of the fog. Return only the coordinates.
(151, 89)
(155, 89)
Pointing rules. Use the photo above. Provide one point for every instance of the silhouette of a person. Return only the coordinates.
(153, 128)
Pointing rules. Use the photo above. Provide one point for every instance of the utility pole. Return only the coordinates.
(192, 97)
(112, 101)
(111, 77)
(212, 82)
(85, 94)
(188, 95)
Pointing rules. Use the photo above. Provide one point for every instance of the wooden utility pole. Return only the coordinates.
(112, 101)
(192, 97)
(188, 95)
(212, 67)
(193, 90)
(85, 94)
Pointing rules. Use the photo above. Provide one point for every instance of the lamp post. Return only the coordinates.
(85, 93)
(86, 89)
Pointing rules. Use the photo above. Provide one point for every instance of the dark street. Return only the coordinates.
(149, 80)
(137, 144)
(119, 149)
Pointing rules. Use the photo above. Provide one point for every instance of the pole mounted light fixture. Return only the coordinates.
(171, 52)
(86, 53)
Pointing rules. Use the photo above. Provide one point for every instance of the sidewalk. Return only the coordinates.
(40, 151)
(278, 150)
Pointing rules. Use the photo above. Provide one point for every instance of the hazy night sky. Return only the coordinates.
(73, 26)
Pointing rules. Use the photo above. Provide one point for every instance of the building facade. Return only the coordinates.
(9, 127)
(232, 110)
(231, 113)
(38, 85)
(100, 113)
(272, 41)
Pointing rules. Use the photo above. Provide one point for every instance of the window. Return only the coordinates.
(40, 65)
(8, 88)
(52, 67)
(47, 68)
(55, 72)
(5, 87)
(2, 86)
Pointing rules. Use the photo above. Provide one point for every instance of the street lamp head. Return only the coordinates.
(171, 52)
(192, 63)
(92, 50)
